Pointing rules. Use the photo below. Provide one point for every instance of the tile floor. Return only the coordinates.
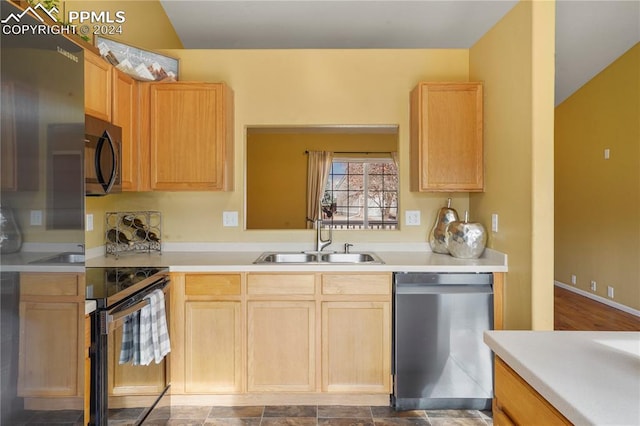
(298, 415)
(320, 415)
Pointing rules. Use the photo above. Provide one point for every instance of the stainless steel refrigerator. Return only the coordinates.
(41, 179)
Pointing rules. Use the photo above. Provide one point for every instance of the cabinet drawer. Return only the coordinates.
(285, 284)
(37, 284)
(356, 284)
(212, 284)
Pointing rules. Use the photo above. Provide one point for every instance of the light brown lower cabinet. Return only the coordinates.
(356, 332)
(206, 333)
(52, 317)
(213, 347)
(281, 333)
(281, 346)
(517, 403)
(356, 346)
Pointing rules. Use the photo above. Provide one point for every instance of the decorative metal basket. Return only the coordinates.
(133, 232)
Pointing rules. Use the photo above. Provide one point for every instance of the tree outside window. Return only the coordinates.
(361, 194)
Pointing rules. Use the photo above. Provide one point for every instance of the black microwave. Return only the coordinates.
(102, 157)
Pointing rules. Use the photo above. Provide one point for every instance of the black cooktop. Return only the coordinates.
(110, 285)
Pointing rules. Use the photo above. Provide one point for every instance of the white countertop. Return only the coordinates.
(21, 262)
(591, 377)
(89, 306)
(239, 257)
(218, 261)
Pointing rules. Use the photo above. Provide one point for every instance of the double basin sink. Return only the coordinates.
(60, 259)
(266, 258)
(318, 257)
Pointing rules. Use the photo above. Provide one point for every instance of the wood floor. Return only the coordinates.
(573, 311)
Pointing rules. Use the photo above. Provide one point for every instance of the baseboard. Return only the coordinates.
(311, 398)
(600, 299)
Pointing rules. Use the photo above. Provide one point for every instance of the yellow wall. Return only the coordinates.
(307, 87)
(302, 87)
(597, 200)
(277, 172)
(515, 61)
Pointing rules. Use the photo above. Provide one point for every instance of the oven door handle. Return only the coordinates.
(113, 321)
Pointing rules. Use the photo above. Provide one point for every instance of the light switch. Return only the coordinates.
(412, 217)
(607, 153)
(494, 222)
(229, 219)
(35, 218)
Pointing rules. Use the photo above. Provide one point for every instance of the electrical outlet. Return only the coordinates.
(610, 292)
(574, 280)
(35, 218)
(494, 222)
(229, 219)
(89, 223)
(607, 154)
(593, 285)
(412, 217)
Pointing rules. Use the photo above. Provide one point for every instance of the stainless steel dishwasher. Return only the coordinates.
(439, 358)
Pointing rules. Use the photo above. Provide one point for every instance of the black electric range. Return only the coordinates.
(109, 286)
(121, 292)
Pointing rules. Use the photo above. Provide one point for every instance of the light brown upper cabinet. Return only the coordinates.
(125, 114)
(188, 129)
(97, 86)
(112, 95)
(446, 137)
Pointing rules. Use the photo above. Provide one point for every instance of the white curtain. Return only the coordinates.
(318, 167)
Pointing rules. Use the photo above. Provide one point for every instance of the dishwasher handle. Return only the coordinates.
(443, 289)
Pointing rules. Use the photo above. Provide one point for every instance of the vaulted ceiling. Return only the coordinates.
(589, 34)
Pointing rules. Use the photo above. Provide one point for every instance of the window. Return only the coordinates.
(361, 194)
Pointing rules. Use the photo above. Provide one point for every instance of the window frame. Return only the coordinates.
(365, 223)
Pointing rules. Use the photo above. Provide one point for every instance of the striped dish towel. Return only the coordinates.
(154, 333)
(145, 349)
(159, 330)
(130, 336)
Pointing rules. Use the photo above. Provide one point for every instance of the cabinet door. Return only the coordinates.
(356, 347)
(516, 402)
(213, 348)
(97, 86)
(281, 346)
(125, 115)
(51, 338)
(446, 137)
(190, 136)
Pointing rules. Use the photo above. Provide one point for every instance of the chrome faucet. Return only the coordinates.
(320, 243)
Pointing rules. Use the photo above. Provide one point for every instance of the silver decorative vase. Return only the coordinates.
(466, 240)
(10, 236)
(438, 234)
